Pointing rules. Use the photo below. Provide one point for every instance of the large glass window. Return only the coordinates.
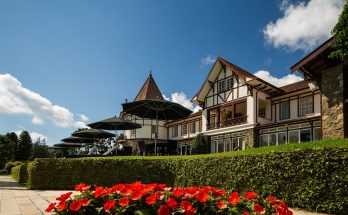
(305, 135)
(285, 110)
(316, 133)
(293, 136)
(264, 140)
(306, 105)
(281, 138)
(228, 145)
(221, 86)
(273, 139)
(220, 146)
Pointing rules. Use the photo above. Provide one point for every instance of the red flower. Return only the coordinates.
(163, 210)
(64, 197)
(191, 211)
(259, 209)
(160, 187)
(206, 189)
(251, 195)
(218, 193)
(50, 207)
(185, 205)
(75, 205)
(202, 197)
(61, 206)
(178, 192)
(151, 199)
(85, 201)
(117, 188)
(148, 188)
(109, 205)
(82, 187)
(221, 205)
(123, 202)
(271, 199)
(234, 198)
(245, 213)
(100, 192)
(191, 191)
(136, 195)
(172, 203)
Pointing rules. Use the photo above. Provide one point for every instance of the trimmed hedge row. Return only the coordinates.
(315, 179)
(20, 173)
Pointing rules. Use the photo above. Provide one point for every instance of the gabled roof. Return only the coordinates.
(316, 61)
(149, 90)
(251, 79)
(301, 85)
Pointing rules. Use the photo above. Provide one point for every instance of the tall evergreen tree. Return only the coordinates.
(24, 146)
(13, 142)
(6, 153)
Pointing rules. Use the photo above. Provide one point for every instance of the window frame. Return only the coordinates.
(221, 86)
(306, 107)
(281, 110)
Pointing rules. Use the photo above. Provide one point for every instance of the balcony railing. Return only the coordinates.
(227, 123)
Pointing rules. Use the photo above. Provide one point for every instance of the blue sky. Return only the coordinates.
(64, 64)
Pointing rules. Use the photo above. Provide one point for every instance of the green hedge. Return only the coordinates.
(20, 173)
(314, 179)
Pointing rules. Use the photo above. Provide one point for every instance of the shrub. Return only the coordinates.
(314, 179)
(138, 198)
(20, 173)
(11, 164)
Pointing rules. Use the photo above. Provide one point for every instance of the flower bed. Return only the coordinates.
(138, 198)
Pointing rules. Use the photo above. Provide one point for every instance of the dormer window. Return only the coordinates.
(221, 86)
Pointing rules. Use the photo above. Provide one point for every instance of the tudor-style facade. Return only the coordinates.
(240, 110)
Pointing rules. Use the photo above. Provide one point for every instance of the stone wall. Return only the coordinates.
(250, 139)
(332, 103)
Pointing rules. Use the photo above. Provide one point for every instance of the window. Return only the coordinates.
(305, 135)
(293, 137)
(221, 86)
(264, 140)
(184, 129)
(305, 106)
(175, 131)
(193, 127)
(285, 110)
(281, 138)
(316, 133)
(262, 108)
(229, 83)
(273, 139)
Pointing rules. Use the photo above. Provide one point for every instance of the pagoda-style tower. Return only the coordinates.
(142, 140)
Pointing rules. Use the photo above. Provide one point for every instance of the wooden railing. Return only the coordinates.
(227, 123)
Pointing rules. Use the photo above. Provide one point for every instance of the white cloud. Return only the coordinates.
(182, 99)
(303, 26)
(16, 99)
(278, 82)
(34, 135)
(208, 60)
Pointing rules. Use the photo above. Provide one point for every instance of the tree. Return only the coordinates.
(201, 144)
(340, 32)
(5, 151)
(39, 149)
(23, 150)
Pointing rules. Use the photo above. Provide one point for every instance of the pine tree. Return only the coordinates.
(24, 146)
(39, 149)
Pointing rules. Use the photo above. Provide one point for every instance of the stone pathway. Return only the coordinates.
(17, 200)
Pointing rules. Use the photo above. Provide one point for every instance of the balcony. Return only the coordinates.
(227, 123)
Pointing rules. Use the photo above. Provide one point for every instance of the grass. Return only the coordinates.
(342, 143)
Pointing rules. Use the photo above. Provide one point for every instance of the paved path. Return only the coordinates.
(17, 200)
